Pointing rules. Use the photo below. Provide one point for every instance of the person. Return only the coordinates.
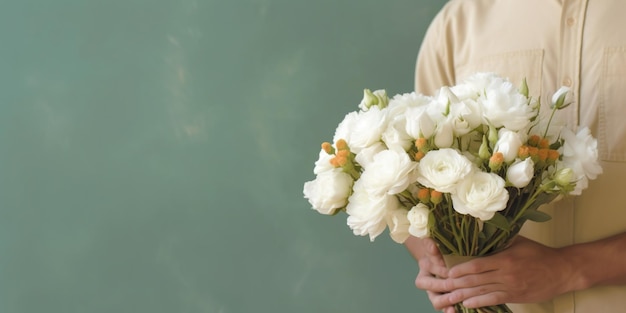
(577, 261)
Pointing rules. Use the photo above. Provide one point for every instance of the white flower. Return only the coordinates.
(367, 212)
(444, 137)
(502, 105)
(465, 116)
(480, 195)
(508, 144)
(390, 172)
(361, 129)
(419, 123)
(323, 163)
(562, 97)
(395, 135)
(580, 153)
(398, 225)
(443, 169)
(329, 191)
(520, 173)
(366, 156)
(418, 217)
(378, 97)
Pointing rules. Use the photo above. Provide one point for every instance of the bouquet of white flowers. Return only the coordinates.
(466, 167)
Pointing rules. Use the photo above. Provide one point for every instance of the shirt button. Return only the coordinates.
(567, 82)
(571, 21)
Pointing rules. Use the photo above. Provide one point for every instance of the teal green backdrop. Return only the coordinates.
(153, 152)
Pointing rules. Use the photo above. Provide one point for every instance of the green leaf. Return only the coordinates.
(536, 216)
(498, 220)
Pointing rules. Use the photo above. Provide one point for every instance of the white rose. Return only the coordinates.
(398, 224)
(443, 169)
(329, 191)
(521, 173)
(502, 105)
(390, 172)
(367, 212)
(580, 153)
(480, 195)
(418, 218)
(508, 144)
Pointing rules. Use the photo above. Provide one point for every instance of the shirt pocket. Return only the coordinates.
(514, 65)
(612, 106)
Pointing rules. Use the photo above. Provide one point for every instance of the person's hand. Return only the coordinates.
(431, 266)
(525, 272)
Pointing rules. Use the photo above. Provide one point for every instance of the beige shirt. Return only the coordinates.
(576, 43)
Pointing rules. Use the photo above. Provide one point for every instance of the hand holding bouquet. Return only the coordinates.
(466, 167)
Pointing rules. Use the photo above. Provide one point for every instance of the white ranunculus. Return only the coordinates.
(480, 195)
(580, 153)
(390, 172)
(344, 129)
(367, 212)
(362, 129)
(366, 156)
(328, 191)
(465, 116)
(398, 224)
(503, 105)
(477, 83)
(418, 218)
(520, 173)
(419, 123)
(395, 135)
(400, 102)
(508, 144)
(443, 169)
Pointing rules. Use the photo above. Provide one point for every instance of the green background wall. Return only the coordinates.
(153, 152)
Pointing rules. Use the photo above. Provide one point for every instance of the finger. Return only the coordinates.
(485, 293)
(492, 298)
(430, 283)
(476, 266)
(443, 301)
(436, 268)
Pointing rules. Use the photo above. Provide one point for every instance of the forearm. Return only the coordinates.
(598, 263)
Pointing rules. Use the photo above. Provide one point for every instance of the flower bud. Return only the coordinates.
(421, 143)
(495, 162)
(534, 140)
(328, 148)
(483, 151)
(561, 98)
(423, 195)
(523, 152)
(564, 177)
(436, 197)
(341, 144)
(378, 97)
(520, 173)
(419, 155)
